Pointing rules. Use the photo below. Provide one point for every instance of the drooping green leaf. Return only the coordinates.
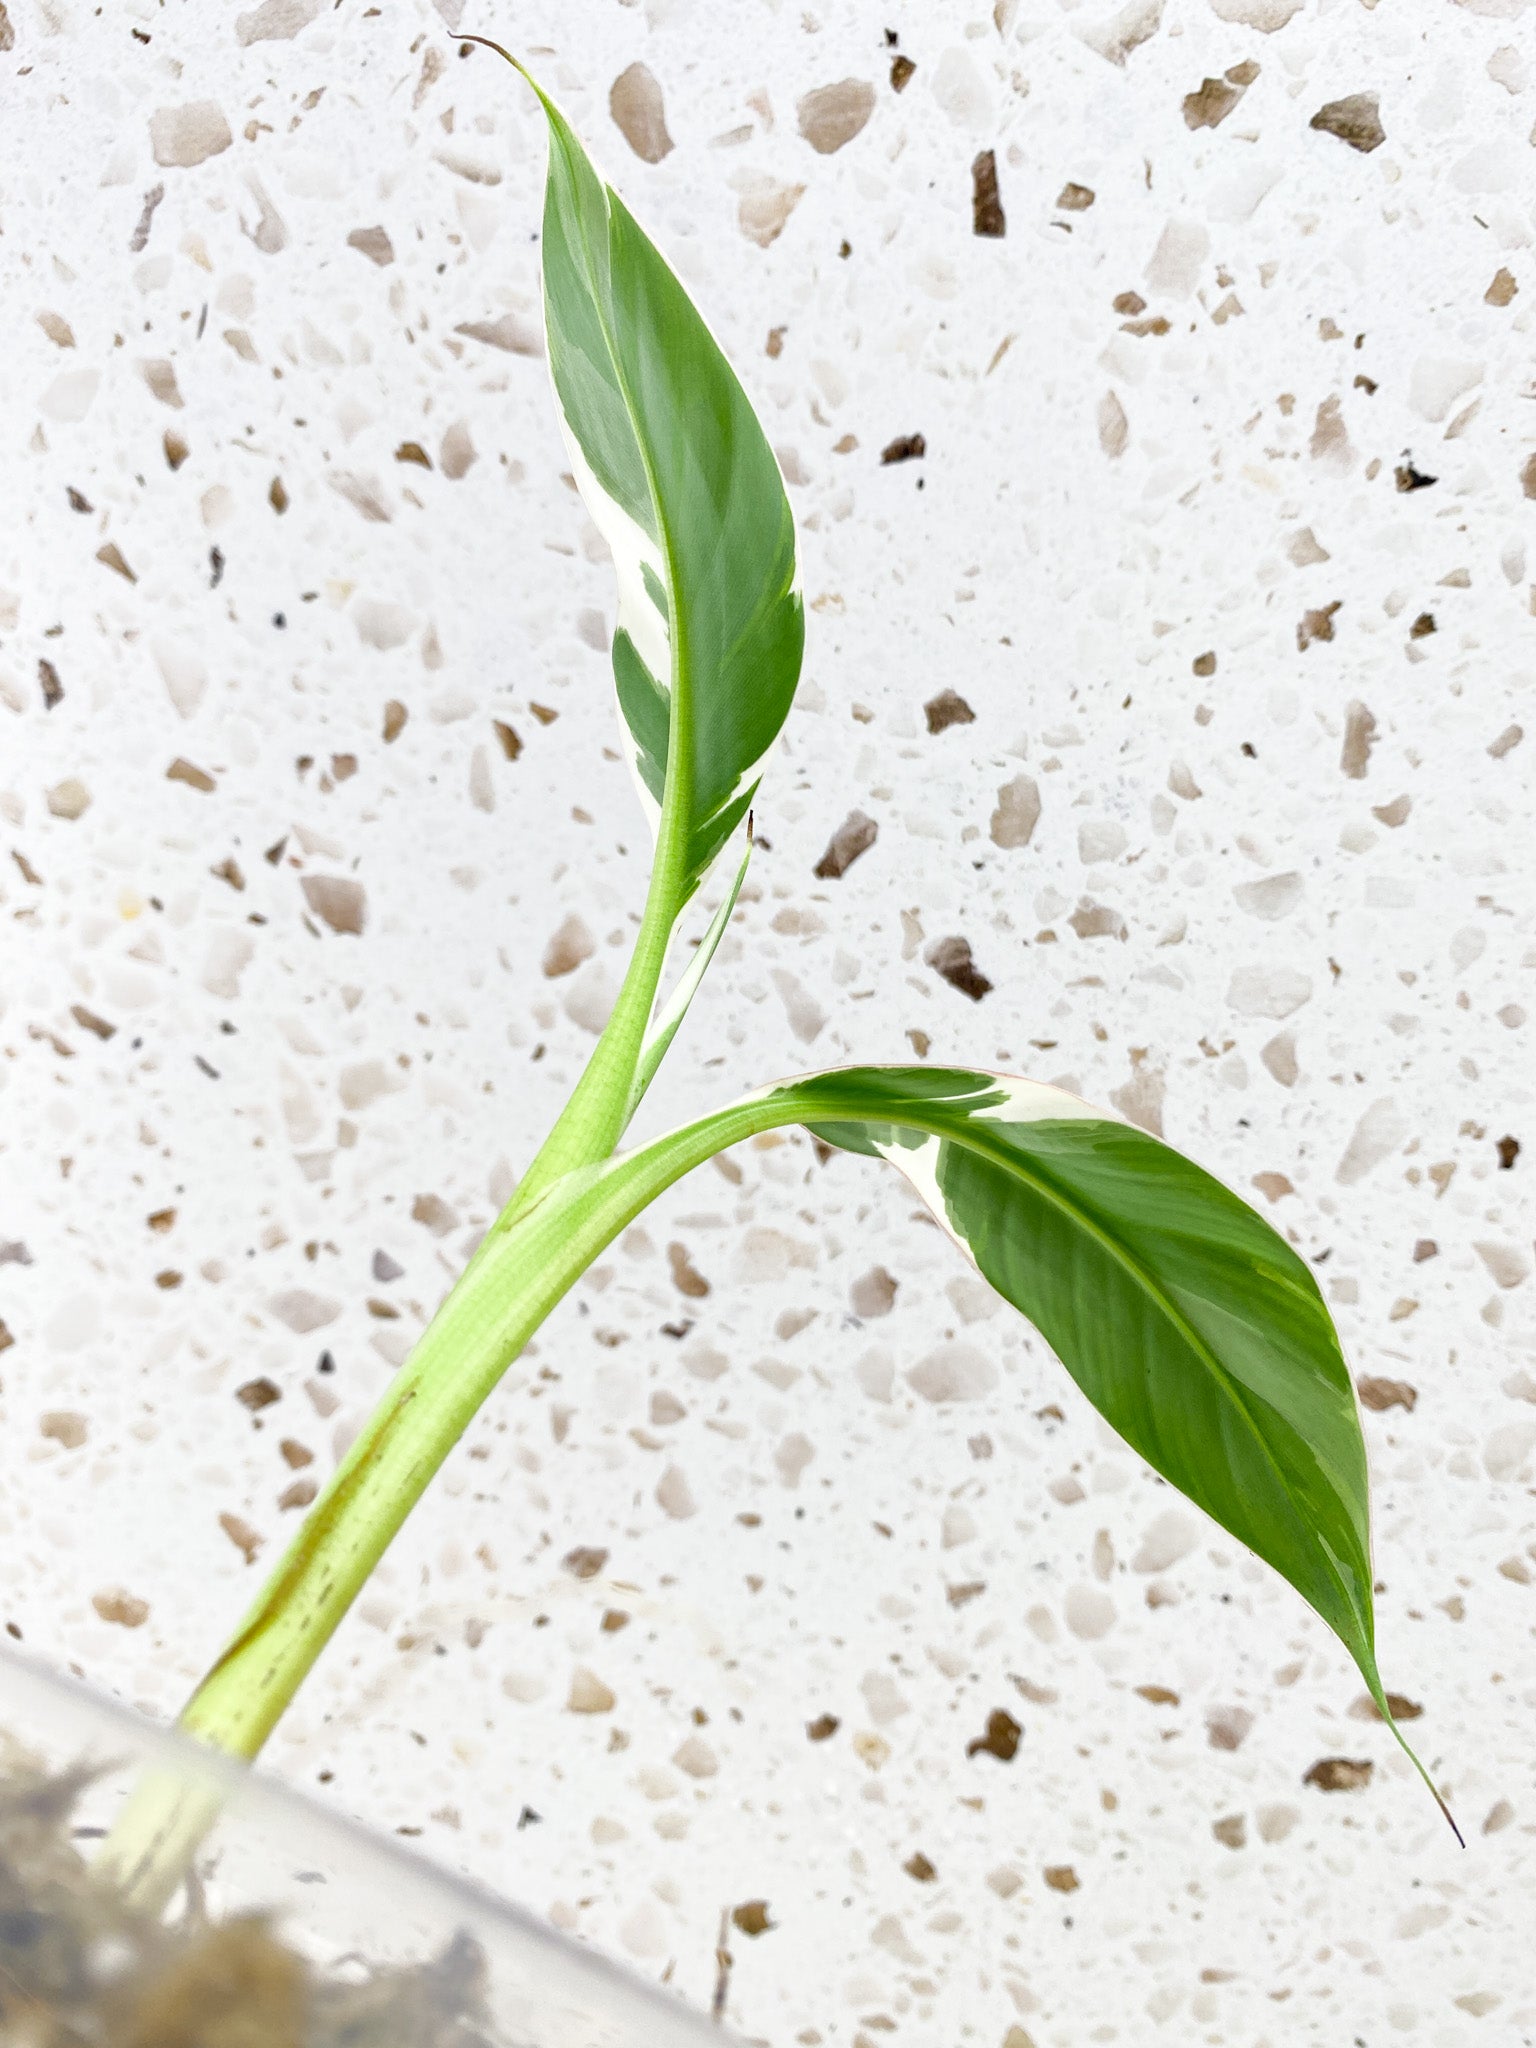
(675, 471)
(1193, 1328)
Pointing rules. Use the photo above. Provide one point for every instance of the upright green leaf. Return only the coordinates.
(1193, 1328)
(675, 471)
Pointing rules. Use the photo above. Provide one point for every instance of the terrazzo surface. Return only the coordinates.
(1212, 500)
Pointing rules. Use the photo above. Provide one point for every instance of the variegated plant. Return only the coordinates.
(1191, 1326)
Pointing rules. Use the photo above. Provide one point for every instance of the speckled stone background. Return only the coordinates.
(1224, 530)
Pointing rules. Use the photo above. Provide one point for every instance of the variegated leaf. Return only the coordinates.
(1191, 1325)
(676, 473)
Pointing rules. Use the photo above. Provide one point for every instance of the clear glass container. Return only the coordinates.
(297, 1928)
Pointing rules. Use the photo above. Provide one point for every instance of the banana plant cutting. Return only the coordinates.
(1193, 1327)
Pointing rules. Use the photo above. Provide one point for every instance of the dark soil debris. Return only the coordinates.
(78, 1964)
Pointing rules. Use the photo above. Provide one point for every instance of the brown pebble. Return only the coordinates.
(1001, 1739)
(635, 102)
(1061, 1877)
(111, 557)
(917, 1866)
(752, 1917)
(258, 1394)
(53, 689)
(855, 836)
(1340, 1773)
(161, 1220)
(175, 448)
(912, 448)
(228, 870)
(507, 739)
(395, 716)
(1355, 120)
(295, 1454)
(374, 243)
(1232, 1830)
(1410, 479)
(1129, 304)
(902, 69)
(947, 709)
(951, 959)
(987, 216)
(242, 1535)
(1073, 198)
(1317, 625)
(544, 713)
(584, 1562)
(193, 776)
(412, 451)
(1158, 1695)
(89, 1021)
(1502, 290)
(1382, 1394)
(1210, 105)
(125, 1610)
(435, 1213)
(340, 903)
(1399, 1706)
(64, 1427)
(300, 1494)
(168, 1280)
(822, 1728)
(686, 1277)
(833, 115)
(1359, 738)
(6, 1339)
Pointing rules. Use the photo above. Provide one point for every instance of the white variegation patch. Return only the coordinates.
(1024, 1102)
(633, 553)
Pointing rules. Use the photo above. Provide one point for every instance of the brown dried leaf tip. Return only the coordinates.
(905, 448)
(947, 709)
(1355, 120)
(987, 216)
(1340, 1774)
(951, 959)
(1001, 1739)
(855, 836)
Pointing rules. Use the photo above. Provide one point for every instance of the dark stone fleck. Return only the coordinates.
(987, 216)
(905, 448)
(951, 958)
(947, 709)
